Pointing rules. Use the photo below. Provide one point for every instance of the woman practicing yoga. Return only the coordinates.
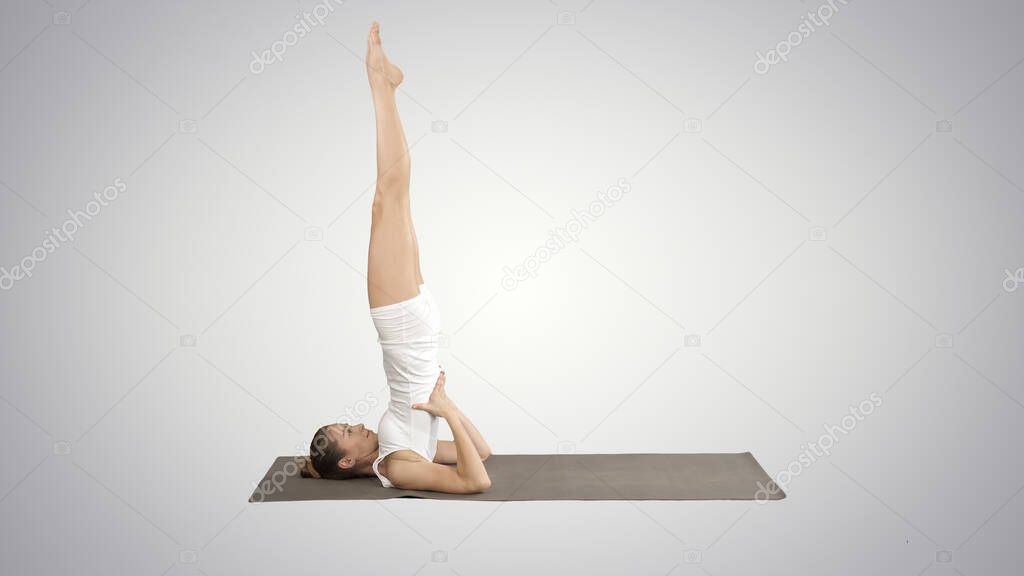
(405, 452)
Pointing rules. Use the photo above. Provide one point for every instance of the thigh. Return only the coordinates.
(391, 265)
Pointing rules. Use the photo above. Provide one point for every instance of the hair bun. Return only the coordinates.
(308, 471)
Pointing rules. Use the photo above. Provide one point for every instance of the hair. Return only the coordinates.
(324, 455)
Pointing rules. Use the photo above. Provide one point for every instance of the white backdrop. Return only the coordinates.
(793, 239)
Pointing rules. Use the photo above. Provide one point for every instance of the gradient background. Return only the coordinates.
(820, 231)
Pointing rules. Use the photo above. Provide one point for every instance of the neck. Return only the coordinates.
(366, 466)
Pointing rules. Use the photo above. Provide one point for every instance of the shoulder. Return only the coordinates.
(387, 464)
(420, 474)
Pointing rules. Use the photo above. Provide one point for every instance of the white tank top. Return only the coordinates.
(408, 333)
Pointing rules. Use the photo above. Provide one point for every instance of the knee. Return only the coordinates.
(386, 202)
(377, 210)
(396, 175)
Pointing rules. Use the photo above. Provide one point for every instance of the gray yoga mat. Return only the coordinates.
(556, 477)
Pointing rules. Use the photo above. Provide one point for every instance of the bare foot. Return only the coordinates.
(382, 73)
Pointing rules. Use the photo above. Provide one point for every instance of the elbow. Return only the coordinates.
(482, 485)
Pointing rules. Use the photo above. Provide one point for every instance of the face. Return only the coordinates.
(355, 440)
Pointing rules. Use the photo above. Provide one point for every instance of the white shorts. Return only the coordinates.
(416, 320)
(409, 333)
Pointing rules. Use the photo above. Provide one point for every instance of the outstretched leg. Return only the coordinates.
(416, 249)
(393, 270)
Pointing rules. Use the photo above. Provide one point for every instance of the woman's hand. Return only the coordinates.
(438, 404)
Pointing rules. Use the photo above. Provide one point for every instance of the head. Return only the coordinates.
(340, 451)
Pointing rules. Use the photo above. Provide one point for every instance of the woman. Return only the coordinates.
(405, 453)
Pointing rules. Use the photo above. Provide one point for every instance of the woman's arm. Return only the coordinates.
(469, 474)
(446, 451)
(468, 461)
(481, 445)
(468, 477)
